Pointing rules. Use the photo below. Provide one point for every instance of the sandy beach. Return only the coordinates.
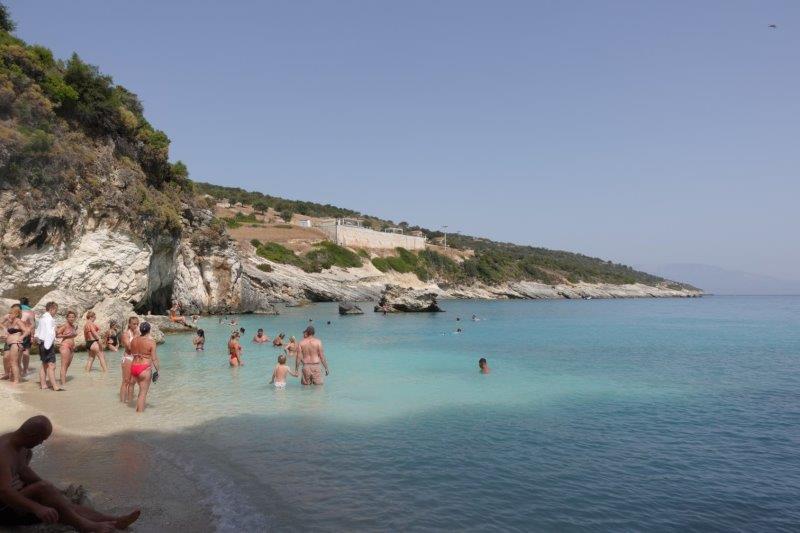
(119, 464)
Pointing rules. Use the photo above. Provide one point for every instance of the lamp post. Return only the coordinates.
(445, 236)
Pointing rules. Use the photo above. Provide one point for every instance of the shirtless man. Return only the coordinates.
(312, 355)
(260, 338)
(29, 317)
(27, 499)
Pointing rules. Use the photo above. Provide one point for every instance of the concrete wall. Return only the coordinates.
(355, 237)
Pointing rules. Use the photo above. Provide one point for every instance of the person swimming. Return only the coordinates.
(259, 337)
(199, 341)
(278, 340)
(483, 365)
(280, 371)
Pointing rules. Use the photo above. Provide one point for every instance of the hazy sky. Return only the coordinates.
(643, 132)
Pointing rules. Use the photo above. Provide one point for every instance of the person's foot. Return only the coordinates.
(124, 521)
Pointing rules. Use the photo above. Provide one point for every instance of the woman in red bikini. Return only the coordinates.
(235, 350)
(145, 364)
(66, 334)
(91, 332)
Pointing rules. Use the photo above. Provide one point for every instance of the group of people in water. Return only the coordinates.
(23, 331)
(308, 352)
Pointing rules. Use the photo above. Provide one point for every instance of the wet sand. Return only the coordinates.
(119, 458)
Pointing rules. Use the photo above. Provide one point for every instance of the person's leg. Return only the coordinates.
(120, 522)
(90, 360)
(6, 365)
(126, 378)
(66, 359)
(144, 386)
(51, 375)
(102, 356)
(26, 359)
(42, 377)
(14, 362)
(46, 494)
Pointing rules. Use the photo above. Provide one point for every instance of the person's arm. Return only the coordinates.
(298, 354)
(156, 361)
(322, 358)
(294, 373)
(11, 497)
(126, 340)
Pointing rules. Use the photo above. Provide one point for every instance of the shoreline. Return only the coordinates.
(120, 468)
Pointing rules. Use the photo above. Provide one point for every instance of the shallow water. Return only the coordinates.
(602, 414)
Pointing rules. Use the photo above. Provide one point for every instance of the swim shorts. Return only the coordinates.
(311, 375)
(26, 343)
(47, 355)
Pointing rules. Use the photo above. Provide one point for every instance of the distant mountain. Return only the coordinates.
(717, 280)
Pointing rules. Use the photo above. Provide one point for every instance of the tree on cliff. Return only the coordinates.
(6, 24)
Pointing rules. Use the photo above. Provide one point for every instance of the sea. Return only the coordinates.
(599, 415)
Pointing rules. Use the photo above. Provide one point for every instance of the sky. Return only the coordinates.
(641, 132)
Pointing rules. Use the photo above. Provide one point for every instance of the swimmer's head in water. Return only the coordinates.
(144, 328)
(309, 331)
(241, 330)
(35, 431)
(482, 362)
(282, 359)
(201, 333)
(260, 331)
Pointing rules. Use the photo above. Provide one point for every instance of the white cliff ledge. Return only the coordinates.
(103, 261)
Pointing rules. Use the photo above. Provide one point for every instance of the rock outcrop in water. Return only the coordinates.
(347, 308)
(397, 299)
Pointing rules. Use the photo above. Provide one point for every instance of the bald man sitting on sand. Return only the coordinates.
(27, 499)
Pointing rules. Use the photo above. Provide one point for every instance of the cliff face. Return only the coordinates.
(102, 254)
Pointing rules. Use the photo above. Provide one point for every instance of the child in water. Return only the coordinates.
(279, 374)
(483, 365)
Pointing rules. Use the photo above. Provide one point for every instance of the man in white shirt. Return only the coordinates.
(46, 336)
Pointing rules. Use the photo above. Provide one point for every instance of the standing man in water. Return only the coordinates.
(46, 337)
(29, 317)
(312, 356)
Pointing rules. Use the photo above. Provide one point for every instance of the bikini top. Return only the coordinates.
(13, 330)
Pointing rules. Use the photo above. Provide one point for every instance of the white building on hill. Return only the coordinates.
(349, 232)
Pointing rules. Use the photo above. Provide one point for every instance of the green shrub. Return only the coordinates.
(327, 254)
(381, 264)
(363, 253)
(287, 214)
(265, 267)
(255, 242)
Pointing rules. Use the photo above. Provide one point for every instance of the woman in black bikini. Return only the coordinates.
(91, 332)
(16, 330)
(111, 336)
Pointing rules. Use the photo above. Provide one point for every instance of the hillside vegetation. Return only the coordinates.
(493, 262)
(68, 129)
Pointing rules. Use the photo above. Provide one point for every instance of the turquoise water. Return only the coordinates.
(597, 415)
